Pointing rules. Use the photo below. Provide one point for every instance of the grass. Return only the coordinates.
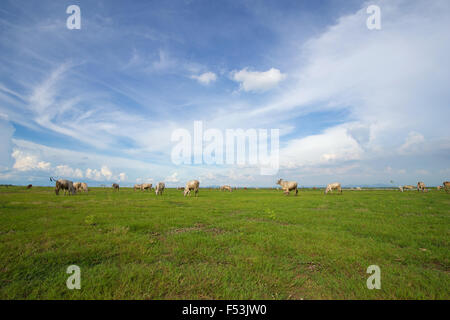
(249, 244)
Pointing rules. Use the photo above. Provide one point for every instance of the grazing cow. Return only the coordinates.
(191, 185)
(408, 187)
(77, 185)
(358, 188)
(223, 188)
(400, 188)
(146, 186)
(66, 185)
(421, 186)
(333, 186)
(84, 187)
(288, 186)
(137, 187)
(160, 188)
(29, 186)
(115, 186)
(446, 185)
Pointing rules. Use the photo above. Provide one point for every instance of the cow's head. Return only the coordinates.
(279, 181)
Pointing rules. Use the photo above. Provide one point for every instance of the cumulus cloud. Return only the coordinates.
(122, 176)
(99, 175)
(106, 172)
(257, 81)
(67, 171)
(328, 147)
(205, 78)
(26, 162)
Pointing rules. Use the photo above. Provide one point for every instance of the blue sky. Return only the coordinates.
(99, 104)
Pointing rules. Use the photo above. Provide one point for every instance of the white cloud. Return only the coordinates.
(173, 178)
(106, 172)
(205, 78)
(68, 172)
(103, 174)
(332, 145)
(239, 176)
(391, 81)
(26, 162)
(257, 81)
(413, 143)
(122, 176)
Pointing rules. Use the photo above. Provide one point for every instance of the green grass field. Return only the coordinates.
(252, 244)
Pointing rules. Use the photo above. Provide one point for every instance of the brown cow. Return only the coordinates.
(421, 186)
(446, 186)
(29, 186)
(115, 186)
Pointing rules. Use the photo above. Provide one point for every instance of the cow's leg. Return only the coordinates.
(296, 191)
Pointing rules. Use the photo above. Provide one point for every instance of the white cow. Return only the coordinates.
(146, 186)
(288, 186)
(223, 188)
(333, 186)
(84, 187)
(77, 186)
(191, 185)
(160, 188)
